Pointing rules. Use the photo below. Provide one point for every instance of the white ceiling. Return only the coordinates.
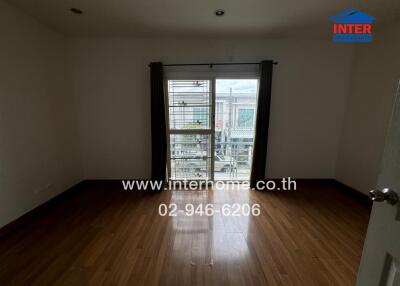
(266, 18)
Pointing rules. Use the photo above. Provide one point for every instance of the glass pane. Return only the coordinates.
(190, 156)
(236, 102)
(189, 104)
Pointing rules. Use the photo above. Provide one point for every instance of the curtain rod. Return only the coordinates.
(213, 64)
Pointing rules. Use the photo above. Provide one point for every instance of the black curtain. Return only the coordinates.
(262, 124)
(158, 128)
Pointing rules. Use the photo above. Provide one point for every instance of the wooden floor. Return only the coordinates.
(101, 235)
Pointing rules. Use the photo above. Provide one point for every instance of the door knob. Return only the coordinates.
(384, 195)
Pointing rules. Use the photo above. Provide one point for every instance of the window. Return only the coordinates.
(189, 104)
(245, 118)
(211, 121)
(189, 110)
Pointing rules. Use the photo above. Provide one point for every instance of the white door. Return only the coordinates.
(380, 263)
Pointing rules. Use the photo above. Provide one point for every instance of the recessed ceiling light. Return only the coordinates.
(220, 12)
(76, 11)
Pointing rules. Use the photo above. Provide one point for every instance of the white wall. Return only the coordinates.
(376, 72)
(111, 87)
(38, 150)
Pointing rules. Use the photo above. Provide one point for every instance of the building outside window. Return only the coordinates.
(245, 118)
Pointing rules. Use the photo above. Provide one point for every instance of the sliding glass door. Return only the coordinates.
(235, 112)
(210, 128)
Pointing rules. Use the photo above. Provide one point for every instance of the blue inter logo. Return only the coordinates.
(352, 26)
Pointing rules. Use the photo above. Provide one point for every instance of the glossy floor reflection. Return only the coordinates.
(101, 235)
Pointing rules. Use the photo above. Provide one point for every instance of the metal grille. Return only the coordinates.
(189, 104)
(190, 156)
(189, 110)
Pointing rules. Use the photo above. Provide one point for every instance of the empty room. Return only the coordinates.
(200, 142)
